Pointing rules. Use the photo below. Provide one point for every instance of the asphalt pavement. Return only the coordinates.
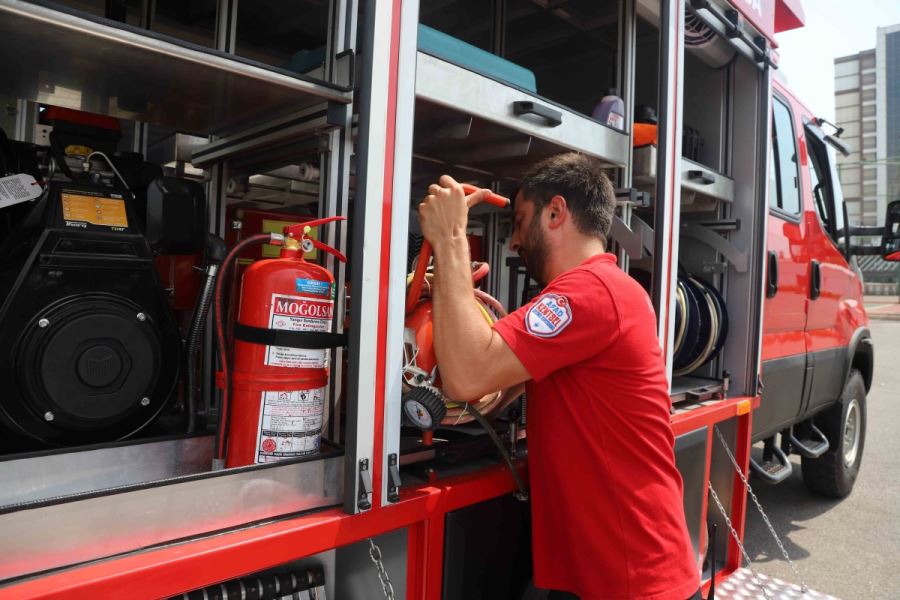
(847, 548)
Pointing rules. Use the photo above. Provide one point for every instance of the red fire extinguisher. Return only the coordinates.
(274, 395)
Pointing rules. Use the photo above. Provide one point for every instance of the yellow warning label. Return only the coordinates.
(76, 150)
(96, 210)
(273, 226)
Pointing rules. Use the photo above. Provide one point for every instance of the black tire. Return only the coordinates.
(830, 474)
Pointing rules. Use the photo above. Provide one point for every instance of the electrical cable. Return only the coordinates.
(87, 165)
(522, 493)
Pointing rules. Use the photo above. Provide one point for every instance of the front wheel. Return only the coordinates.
(844, 424)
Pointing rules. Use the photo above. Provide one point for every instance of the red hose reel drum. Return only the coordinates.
(280, 373)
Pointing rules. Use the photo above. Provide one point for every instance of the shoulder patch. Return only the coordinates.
(548, 316)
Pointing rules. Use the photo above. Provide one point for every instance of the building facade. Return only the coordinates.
(867, 106)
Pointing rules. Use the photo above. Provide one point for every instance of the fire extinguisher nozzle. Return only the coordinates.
(277, 239)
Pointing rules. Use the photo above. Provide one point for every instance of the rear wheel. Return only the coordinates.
(844, 424)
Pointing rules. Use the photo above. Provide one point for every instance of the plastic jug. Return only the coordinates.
(611, 110)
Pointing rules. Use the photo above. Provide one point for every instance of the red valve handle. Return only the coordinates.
(415, 286)
(299, 230)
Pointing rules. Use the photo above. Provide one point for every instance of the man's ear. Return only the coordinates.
(557, 212)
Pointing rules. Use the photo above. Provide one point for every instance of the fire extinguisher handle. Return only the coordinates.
(297, 230)
(326, 248)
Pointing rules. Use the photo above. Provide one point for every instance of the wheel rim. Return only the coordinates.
(851, 433)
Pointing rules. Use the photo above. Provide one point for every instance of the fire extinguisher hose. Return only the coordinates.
(230, 259)
(215, 252)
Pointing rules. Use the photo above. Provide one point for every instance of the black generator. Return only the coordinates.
(89, 349)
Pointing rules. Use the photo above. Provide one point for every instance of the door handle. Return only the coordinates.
(701, 177)
(772, 275)
(527, 107)
(815, 280)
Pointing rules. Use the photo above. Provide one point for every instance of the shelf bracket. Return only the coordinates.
(737, 257)
(637, 240)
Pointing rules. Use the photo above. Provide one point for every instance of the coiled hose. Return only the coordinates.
(215, 252)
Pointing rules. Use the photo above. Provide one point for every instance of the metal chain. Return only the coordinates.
(737, 538)
(375, 555)
(803, 587)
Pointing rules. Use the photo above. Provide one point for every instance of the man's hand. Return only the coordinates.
(462, 338)
(444, 213)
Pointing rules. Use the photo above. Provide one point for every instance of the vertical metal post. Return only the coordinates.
(762, 213)
(142, 130)
(226, 26)
(498, 33)
(216, 194)
(625, 81)
(668, 168)
(402, 177)
(625, 75)
(370, 224)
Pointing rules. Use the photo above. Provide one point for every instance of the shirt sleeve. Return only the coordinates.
(573, 319)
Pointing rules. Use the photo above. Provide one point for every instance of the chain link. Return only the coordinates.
(737, 538)
(375, 555)
(740, 472)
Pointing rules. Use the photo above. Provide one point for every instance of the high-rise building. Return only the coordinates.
(867, 106)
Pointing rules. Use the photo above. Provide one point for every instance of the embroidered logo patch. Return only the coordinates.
(548, 316)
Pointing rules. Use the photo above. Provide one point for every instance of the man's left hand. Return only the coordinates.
(444, 213)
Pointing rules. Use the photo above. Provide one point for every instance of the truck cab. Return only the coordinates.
(817, 352)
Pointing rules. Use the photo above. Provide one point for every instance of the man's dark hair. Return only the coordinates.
(581, 181)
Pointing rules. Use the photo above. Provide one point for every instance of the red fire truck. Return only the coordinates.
(203, 400)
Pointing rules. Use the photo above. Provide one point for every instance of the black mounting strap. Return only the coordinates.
(313, 340)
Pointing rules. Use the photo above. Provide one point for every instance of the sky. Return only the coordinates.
(833, 28)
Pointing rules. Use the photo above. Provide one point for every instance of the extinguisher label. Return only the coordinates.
(313, 286)
(297, 313)
(290, 424)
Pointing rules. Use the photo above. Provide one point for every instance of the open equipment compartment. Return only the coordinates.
(489, 102)
(280, 155)
(720, 222)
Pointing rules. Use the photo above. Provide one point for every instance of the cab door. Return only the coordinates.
(787, 283)
(834, 311)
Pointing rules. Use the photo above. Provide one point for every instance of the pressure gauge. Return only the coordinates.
(424, 407)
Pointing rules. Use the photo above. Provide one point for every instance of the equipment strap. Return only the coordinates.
(312, 340)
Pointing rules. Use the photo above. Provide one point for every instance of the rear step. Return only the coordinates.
(813, 448)
(775, 467)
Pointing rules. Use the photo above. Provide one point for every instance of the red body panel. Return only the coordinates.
(784, 317)
(265, 284)
(794, 323)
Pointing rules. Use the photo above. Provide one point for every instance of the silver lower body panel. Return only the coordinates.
(46, 535)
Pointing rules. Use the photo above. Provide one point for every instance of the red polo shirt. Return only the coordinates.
(607, 509)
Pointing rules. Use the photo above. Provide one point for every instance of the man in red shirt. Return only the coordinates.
(606, 497)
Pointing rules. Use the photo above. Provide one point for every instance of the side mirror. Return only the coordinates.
(890, 238)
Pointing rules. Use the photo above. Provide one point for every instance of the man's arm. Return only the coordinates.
(474, 360)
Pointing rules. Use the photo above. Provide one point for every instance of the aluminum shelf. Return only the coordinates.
(467, 119)
(92, 64)
(696, 178)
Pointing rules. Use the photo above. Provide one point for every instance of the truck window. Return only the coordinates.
(826, 189)
(787, 196)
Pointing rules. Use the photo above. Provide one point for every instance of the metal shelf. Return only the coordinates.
(696, 390)
(466, 119)
(705, 184)
(99, 66)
